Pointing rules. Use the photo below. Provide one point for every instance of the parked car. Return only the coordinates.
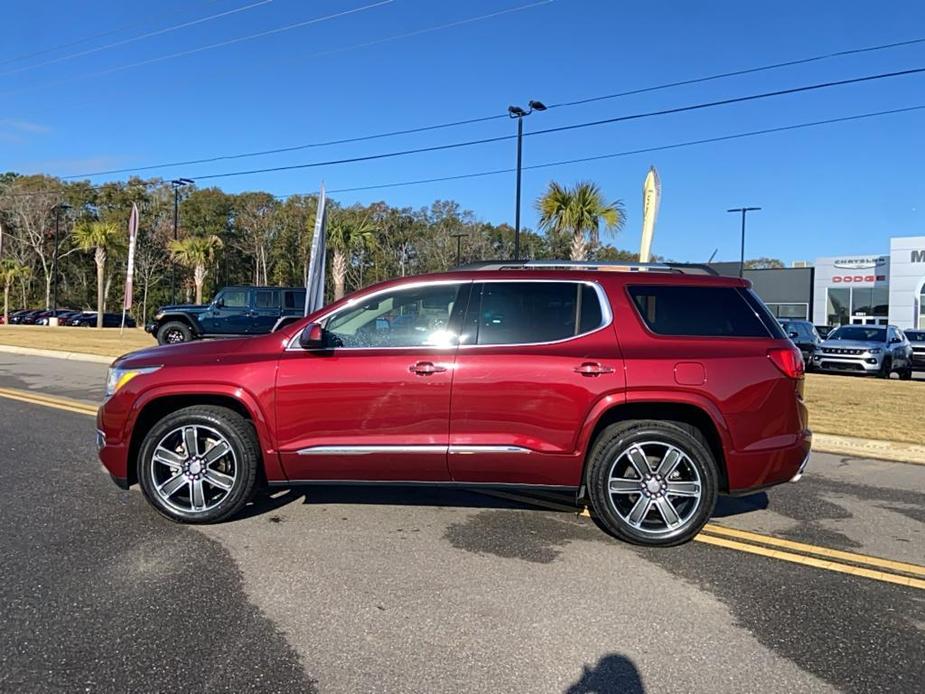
(63, 314)
(235, 311)
(803, 334)
(25, 317)
(917, 342)
(643, 393)
(867, 350)
(87, 319)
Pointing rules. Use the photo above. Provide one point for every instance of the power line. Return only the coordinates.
(77, 42)
(139, 37)
(482, 119)
(614, 155)
(574, 126)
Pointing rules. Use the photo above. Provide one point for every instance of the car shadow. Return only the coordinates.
(737, 505)
(613, 674)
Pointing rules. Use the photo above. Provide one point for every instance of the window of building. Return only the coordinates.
(697, 311)
(839, 299)
(922, 308)
(509, 313)
(870, 301)
(406, 317)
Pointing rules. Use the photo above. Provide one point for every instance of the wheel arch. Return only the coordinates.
(691, 413)
(182, 317)
(155, 406)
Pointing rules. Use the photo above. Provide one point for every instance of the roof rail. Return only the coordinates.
(602, 265)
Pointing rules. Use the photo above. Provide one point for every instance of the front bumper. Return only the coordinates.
(112, 451)
(864, 363)
(151, 328)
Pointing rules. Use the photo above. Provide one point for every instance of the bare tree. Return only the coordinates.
(150, 267)
(256, 220)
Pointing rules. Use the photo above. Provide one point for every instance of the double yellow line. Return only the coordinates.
(865, 566)
(48, 401)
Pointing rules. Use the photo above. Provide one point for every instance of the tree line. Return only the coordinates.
(255, 238)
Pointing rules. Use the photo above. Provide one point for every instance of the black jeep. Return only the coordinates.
(235, 311)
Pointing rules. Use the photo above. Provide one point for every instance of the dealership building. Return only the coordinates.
(868, 289)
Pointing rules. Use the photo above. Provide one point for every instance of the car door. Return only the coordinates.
(374, 404)
(227, 314)
(534, 358)
(265, 312)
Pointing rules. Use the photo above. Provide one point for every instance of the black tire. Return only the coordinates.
(173, 333)
(886, 368)
(242, 461)
(906, 374)
(610, 450)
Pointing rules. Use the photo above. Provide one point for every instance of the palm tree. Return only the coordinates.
(11, 271)
(100, 237)
(197, 253)
(579, 213)
(348, 232)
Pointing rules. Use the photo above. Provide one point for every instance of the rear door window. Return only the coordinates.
(267, 298)
(510, 313)
(682, 310)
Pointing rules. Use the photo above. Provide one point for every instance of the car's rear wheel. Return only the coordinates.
(174, 332)
(199, 464)
(652, 482)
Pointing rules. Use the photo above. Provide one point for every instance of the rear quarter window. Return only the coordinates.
(681, 310)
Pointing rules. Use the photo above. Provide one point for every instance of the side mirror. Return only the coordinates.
(894, 340)
(219, 303)
(312, 336)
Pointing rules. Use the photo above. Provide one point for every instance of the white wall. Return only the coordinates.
(907, 274)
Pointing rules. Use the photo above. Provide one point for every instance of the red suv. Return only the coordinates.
(646, 390)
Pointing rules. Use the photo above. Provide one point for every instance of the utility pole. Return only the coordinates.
(53, 320)
(519, 113)
(177, 183)
(744, 211)
(458, 238)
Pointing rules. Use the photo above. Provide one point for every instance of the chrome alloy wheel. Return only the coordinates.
(193, 468)
(654, 488)
(174, 337)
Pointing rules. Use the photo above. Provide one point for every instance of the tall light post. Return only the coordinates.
(519, 113)
(54, 302)
(177, 183)
(458, 238)
(744, 211)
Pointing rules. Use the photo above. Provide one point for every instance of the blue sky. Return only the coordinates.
(835, 189)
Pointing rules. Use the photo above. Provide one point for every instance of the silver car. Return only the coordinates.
(866, 349)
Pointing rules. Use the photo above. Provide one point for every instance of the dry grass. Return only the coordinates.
(848, 406)
(105, 342)
(866, 408)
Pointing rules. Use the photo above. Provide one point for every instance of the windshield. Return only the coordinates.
(860, 333)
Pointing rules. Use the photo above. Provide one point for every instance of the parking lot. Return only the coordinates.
(415, 589)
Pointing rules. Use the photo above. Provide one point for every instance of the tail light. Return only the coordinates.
(788, 360)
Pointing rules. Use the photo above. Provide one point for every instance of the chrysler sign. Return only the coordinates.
(868, 263)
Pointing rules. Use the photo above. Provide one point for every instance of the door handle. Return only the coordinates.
(426, 368)
(592, 368)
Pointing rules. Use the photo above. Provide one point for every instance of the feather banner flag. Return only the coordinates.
(651, 196)
(314, 276)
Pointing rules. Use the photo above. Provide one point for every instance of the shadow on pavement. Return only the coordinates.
(737, 505)
(613, 674)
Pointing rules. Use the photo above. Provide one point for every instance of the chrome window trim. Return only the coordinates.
(399, 448)
(293, 345)
(606, 317)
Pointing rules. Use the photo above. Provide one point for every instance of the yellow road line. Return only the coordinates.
(812, 561)
(48, 401)
(814, 549)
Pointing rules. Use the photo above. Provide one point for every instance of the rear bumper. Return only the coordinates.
(753, 470)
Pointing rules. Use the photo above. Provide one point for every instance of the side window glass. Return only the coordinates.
(409, 317)
(267, 298)
(529, 312)
(294, 299)
(235, 298)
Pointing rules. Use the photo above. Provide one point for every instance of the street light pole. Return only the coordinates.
(54, 302)
(177, 183)
(743, 211)
(519, 113)
(458, 238)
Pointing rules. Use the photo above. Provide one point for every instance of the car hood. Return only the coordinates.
(185, 308)
(200, 352)
(853, 344)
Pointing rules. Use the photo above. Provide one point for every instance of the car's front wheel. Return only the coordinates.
(652, 482)
(174, 332)
(199, 464)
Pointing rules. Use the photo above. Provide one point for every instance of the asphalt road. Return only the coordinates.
(416, 590)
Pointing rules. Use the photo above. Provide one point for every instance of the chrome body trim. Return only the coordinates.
(797, 477)
(470, 450)
(370, 450)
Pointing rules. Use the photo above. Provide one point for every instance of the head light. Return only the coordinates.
(875, 350)
(119, 377)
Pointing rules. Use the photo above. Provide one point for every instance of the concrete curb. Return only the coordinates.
(895, 451)
(57, 354)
